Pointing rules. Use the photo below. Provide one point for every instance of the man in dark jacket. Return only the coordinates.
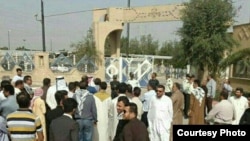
(65, 128)
(58, 111)
(134, 130)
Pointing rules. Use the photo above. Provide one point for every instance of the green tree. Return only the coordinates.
(86, 47)
(123, 44)
(4, 48)
(134, 46)
(174, 49)
(204, 36)
(148, 46)
(22, 48)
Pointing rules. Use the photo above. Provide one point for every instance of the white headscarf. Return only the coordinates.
(61, 83)
(199, 94)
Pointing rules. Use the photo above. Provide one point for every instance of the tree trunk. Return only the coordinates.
(205, 73)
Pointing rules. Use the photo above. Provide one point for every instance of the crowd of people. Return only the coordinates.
(83, 110)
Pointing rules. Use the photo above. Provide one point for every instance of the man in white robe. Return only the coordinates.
(168, 86)
(60, 85)
(240, 104)
(160, 115)
(132, 81)
(103, 101)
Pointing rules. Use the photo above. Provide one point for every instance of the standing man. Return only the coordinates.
(197, 104)
(18, 76)
(223, 112)
(146, 98)
(3, 83)
(113, 112)
(168, 86)
(134, 130)
(240, 104)
(45, 87)
(102, 100)
(188, 88)
(8, 105)
(65, 128)
(132, 81)
(23, 125)
(137, 101)
(160, 115)
(72, 89)
(178, 104)
(245, 118)
(211, 92)
(50, 115)
(153, 80)
(27, 85)
(121, 104)
(86, 114)
(114, 87)
(60, 85)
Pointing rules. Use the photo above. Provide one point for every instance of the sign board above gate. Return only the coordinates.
(145, 14)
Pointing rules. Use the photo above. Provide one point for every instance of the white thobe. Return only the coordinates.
(50, 98)
(169, 85)
(134, 83)
(160, 116)
(240, 105)
(15, 78)
(113, 116)
(102, 131)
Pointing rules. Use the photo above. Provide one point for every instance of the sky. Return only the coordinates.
(19, 25)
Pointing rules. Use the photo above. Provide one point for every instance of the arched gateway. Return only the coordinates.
(114, 19)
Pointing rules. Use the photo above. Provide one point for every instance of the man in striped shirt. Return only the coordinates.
(23, 124)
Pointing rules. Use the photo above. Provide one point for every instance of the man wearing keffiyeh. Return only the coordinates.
(86, 113)
(197, 103)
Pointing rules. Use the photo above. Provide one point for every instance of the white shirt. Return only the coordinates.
(146, 99)
(185, 85)
(190, 88)
(134, 83)
(160, 115)
(15, 78)
(138, 102)
(222, 112)
(240, 105)
(169, 85)
(68, 115)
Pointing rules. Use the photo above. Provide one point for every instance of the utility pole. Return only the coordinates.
(9, 39)
(43, 27)
(128, 29)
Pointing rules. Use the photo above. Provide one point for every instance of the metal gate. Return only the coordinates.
(142, 68)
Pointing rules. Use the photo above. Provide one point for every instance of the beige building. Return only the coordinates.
(239, 72)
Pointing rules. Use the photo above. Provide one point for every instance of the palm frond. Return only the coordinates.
(235, 57)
